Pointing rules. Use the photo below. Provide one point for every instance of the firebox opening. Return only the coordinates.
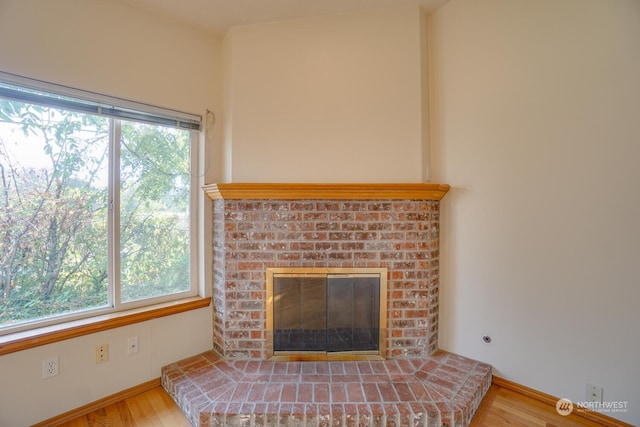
(326, 314)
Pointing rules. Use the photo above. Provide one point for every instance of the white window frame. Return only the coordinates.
(94, 103)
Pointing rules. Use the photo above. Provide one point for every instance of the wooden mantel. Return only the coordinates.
(303, 191)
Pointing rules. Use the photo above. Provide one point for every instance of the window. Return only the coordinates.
(97, 204)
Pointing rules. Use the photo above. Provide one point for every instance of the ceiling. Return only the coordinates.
(217, 16)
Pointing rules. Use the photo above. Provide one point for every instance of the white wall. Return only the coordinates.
(27, 398)
(107, 47)
(536, 125)
(332, 99)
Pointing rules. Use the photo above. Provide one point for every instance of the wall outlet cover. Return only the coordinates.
(102, 353)
(593, 393)
(50, 367)
(132, 345)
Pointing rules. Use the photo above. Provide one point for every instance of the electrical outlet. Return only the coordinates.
(593, 393)
(132, 345)
(50, 367)
(102, 353)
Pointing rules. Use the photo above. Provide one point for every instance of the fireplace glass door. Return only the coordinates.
(326, 313)
(299, 315)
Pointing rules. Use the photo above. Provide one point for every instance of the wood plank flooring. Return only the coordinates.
(500, 407)
(503, 407)
(151, 408)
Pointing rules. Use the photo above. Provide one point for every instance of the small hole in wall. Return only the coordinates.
(486, 338)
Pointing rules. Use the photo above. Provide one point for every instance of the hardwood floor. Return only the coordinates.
(151, 408)
(500, 407)
(503, 407)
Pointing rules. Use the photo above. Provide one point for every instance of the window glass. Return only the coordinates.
(154, 210)
(73, 187)
(53, 214)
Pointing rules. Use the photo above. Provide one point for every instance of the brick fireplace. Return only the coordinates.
(332, 226)
(260, 226)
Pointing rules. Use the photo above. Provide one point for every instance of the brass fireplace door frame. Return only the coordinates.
(380, 273)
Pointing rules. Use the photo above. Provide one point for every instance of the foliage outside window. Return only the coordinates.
(95, 213)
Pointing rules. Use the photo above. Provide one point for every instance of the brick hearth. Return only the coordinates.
(260, 226)
(441, 390)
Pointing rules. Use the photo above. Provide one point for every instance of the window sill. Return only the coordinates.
(54, 333)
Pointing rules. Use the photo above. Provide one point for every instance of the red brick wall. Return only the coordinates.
(251, 236)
